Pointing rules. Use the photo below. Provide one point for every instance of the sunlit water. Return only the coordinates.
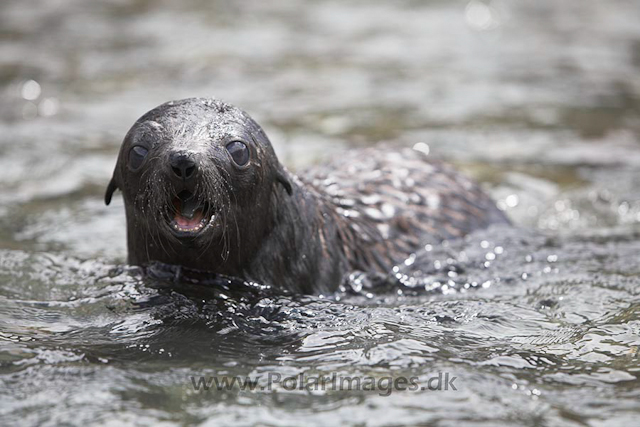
(538, 323)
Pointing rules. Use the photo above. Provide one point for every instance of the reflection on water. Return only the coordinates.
(537, 99)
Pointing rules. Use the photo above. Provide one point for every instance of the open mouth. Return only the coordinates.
(189, 215)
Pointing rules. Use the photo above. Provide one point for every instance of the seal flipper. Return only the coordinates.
(110, 189)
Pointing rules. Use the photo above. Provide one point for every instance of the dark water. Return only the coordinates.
(539, 324)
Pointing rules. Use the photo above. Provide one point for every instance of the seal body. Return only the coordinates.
(203, 189)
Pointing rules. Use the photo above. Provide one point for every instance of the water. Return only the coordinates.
(539, 324)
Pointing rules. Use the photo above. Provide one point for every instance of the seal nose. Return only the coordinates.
(182, 165)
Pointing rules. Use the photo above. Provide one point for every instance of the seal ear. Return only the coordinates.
(283, 178)
(110, 189)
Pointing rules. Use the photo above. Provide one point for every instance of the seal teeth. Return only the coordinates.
(187, 229)
(196, 228)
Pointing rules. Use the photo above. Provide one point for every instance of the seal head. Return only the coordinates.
(197, 177)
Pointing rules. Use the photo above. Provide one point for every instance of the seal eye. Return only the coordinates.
(239, 152)
(136, 156)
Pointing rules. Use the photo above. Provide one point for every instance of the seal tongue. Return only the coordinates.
(188, 207)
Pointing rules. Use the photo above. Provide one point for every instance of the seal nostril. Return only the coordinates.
(182, 165)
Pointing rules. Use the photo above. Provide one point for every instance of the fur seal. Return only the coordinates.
(203, 189)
